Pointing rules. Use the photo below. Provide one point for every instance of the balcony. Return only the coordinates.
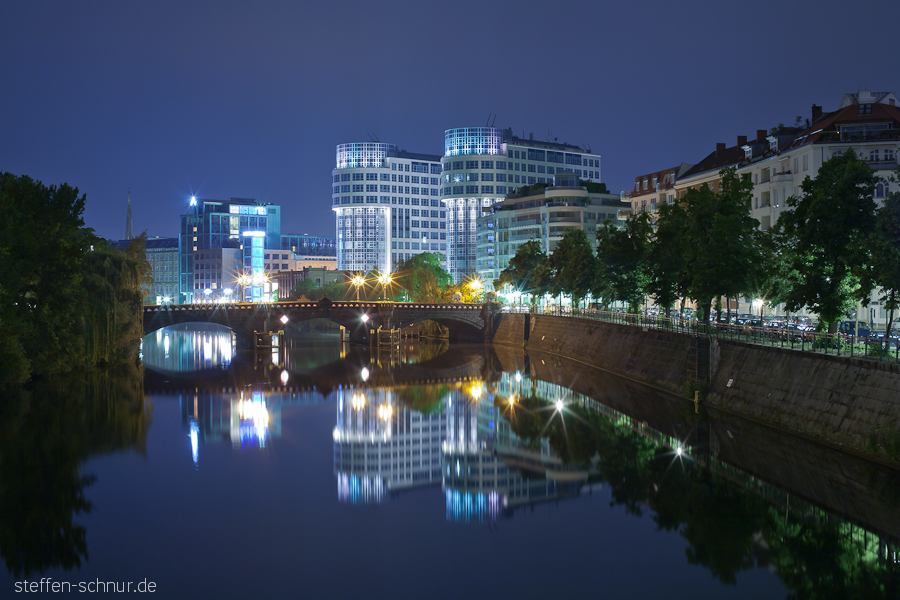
(782, 177)
(883, 165)
(526, 223)
(567, 219)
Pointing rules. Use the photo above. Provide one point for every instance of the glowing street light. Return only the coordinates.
(385, 280)
(559, 405)
(365, 318)
(358, 281)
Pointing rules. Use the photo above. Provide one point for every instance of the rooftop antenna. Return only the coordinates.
(370, 136)
(494, 121)
(488, 122)
(376, 138)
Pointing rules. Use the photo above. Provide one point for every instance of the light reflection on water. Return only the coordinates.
(188, 348)
(481, 444)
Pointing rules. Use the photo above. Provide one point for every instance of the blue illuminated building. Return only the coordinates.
(210, 244)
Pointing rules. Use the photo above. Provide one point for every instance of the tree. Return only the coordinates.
(335, 290)
(520, 274)
(68, 301)
(423, 276)
(668, 279)
(885, 257)
(574, 266)
(827, 227)
(623, 258)
(719, 240)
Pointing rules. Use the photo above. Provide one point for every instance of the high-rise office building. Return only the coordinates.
(483, 164)
(220, 240)
(387, 206)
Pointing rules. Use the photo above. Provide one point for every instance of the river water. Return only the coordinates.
(320, 470)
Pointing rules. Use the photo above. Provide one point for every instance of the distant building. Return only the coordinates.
(210, 226)
(481, 165)
(387, 206)
(313, 251)
(162, 254)
(285, 281)
(655, 189)
(544, 217)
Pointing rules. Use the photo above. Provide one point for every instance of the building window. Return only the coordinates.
(865, 109)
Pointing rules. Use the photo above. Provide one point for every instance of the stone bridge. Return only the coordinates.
(466, 322)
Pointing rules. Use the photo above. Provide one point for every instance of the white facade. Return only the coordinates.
(387, 206)
(483, 164)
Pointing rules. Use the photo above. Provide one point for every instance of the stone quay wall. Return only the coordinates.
(841, 401)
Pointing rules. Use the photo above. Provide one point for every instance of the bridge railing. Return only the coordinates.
(838, 344)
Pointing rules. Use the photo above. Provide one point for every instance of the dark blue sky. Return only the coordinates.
(249, 99)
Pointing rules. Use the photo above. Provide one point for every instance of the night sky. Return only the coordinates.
(248, 99)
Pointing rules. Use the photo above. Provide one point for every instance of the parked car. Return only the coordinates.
(849, 328)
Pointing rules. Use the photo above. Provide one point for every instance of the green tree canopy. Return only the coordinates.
(623, 258)
(520, 274)
(574, 266)
(68, 301)
(423, 277)
(827, 228)
(885, 254)
(667, 258)
(719, 242)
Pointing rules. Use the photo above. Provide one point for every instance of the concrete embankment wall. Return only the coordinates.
(656, 357)
(840, 399)
(849, 402)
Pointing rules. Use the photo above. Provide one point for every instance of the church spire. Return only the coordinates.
(128, 233)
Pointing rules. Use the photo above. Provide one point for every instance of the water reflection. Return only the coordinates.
(188, 348)
(248, 418)
(47, 433)
(512, 441)
(485, 435)
(382, 446)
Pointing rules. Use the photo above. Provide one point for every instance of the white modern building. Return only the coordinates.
(481, 165)
(387, 206)
(544, 216)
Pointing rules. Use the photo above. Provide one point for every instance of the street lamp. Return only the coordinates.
(476, 286)
(357, 280)
(385, 280)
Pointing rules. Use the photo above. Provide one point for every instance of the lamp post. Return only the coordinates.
(476, 286)
(385, 280)
(357, 280)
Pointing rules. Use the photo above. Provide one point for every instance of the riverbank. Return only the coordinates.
(851, 403)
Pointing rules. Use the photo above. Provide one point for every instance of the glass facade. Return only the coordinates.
(472, 140)
(212, 228)
(481, 166)
(363, 154)
(387, 206)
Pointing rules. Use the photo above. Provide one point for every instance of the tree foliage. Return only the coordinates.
(68, 301)
(828, 226)
(668, 278)
(524, 271)
(574, 266)
(719, 240)
(423, 277)
(623, 258)
(885, 255)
